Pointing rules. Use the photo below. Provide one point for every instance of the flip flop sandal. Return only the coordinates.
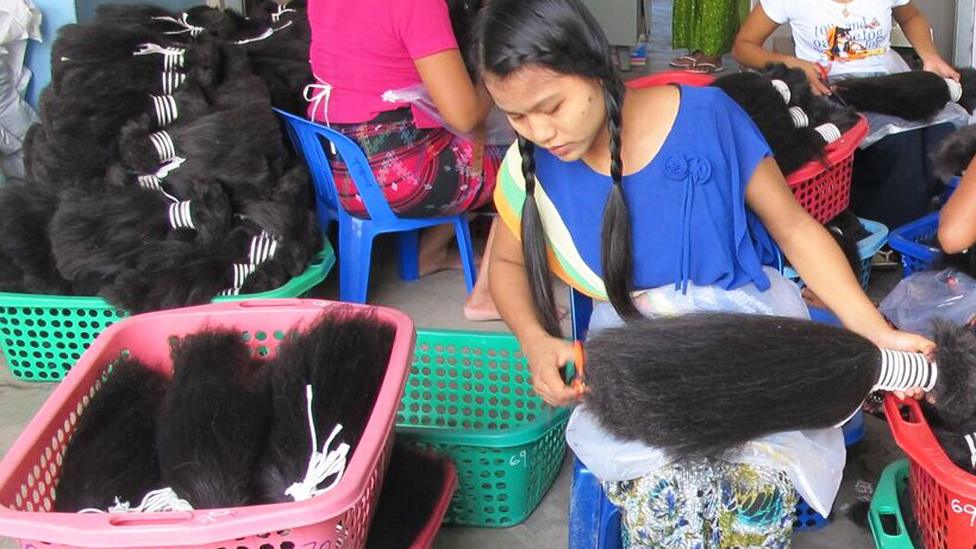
(683, 62)
(706, 67)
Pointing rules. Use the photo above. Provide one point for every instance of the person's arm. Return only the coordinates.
(461, 103)
(748, 49)
(820, 262)
(510, 290)
(957, 222)
(919, 33)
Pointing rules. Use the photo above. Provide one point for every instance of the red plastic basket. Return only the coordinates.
(339, 518)
(822, 188)
(425, 540)
(943, 496)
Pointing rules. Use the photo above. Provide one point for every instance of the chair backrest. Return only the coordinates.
(310, 138)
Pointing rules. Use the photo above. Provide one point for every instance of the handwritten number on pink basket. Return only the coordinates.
(327, 544)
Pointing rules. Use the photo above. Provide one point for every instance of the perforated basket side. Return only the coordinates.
(469, 396)
(43, 336)
(910, 241)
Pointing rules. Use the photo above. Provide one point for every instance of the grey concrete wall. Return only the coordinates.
(942, 16)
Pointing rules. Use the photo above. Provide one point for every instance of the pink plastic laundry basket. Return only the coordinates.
(339, 518)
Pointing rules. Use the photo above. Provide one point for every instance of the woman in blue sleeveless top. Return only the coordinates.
(654, 201)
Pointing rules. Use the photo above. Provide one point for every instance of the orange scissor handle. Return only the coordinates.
(579, 359)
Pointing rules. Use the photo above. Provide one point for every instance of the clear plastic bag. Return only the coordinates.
(883, 125)
(497, 129)
(924, 296)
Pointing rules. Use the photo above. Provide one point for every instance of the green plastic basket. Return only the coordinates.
(469, 396)
(885, 517)
(42, 336)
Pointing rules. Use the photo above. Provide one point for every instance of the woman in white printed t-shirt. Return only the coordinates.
(893, 180)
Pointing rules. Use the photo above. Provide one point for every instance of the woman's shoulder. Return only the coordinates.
(695, 105)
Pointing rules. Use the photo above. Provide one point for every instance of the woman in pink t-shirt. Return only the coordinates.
(363, 48)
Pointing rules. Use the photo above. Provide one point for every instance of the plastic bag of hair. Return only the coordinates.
(883, 125)
(926, 295)
(497, 130)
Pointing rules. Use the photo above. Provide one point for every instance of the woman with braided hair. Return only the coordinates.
(653, 201)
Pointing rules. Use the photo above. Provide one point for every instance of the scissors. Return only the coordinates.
(579, 359)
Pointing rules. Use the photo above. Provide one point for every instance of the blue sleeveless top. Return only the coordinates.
(688, 213)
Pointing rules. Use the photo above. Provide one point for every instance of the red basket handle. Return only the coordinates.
(919, 443)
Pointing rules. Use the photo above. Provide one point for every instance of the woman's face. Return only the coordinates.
(564, 114)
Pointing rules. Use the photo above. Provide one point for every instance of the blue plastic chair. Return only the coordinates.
(355, 234)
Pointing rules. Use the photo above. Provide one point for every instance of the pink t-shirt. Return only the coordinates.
(363, 48)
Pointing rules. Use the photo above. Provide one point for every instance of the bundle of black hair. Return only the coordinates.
(229, 427)
(915, 95)
(797, 124)
(159, 175)
(672, 383)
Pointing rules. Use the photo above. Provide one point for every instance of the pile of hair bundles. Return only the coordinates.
(797, 124)
(673, 383)
(231, 427)
(914, 95)
(157, 152)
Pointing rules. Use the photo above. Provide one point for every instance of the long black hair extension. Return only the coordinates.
(702, 384)
(564, 37)
(112, 453)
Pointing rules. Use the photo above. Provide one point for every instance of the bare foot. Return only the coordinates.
(442, 260)
(481, 312)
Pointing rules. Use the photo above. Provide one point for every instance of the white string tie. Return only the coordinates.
(173, 58)
(955, 89)
(183, 21)
(180, 215)
(157, 501)
(281, 11)
(321, 465)
(800, 118)
(263, 248)
(902, 370)
(829, 132)
(165, 108)
(163, 142)
(783, 90)
(316, 94)
(171, 81)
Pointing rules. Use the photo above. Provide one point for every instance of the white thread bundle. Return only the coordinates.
(171, 81)
(901, 371)
(955, 90)
(321, 465)
(241, 272)
(972, 449)
(263, 248)
(829, 132)
(157, 501)
(281, 11)
(800, 118)
(184, 22)
(163, 142)
(165, 109)
(173, 58)
(783, 90)
(180, 215)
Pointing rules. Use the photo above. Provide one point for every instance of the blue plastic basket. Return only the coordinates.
(866, 248)
(909, 241)
(950, 188)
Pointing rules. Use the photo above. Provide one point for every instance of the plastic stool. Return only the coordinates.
(594, 522)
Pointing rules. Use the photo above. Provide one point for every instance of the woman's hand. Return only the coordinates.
(937, 65)
(546, 355)
(815, 74)
(904, 341)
